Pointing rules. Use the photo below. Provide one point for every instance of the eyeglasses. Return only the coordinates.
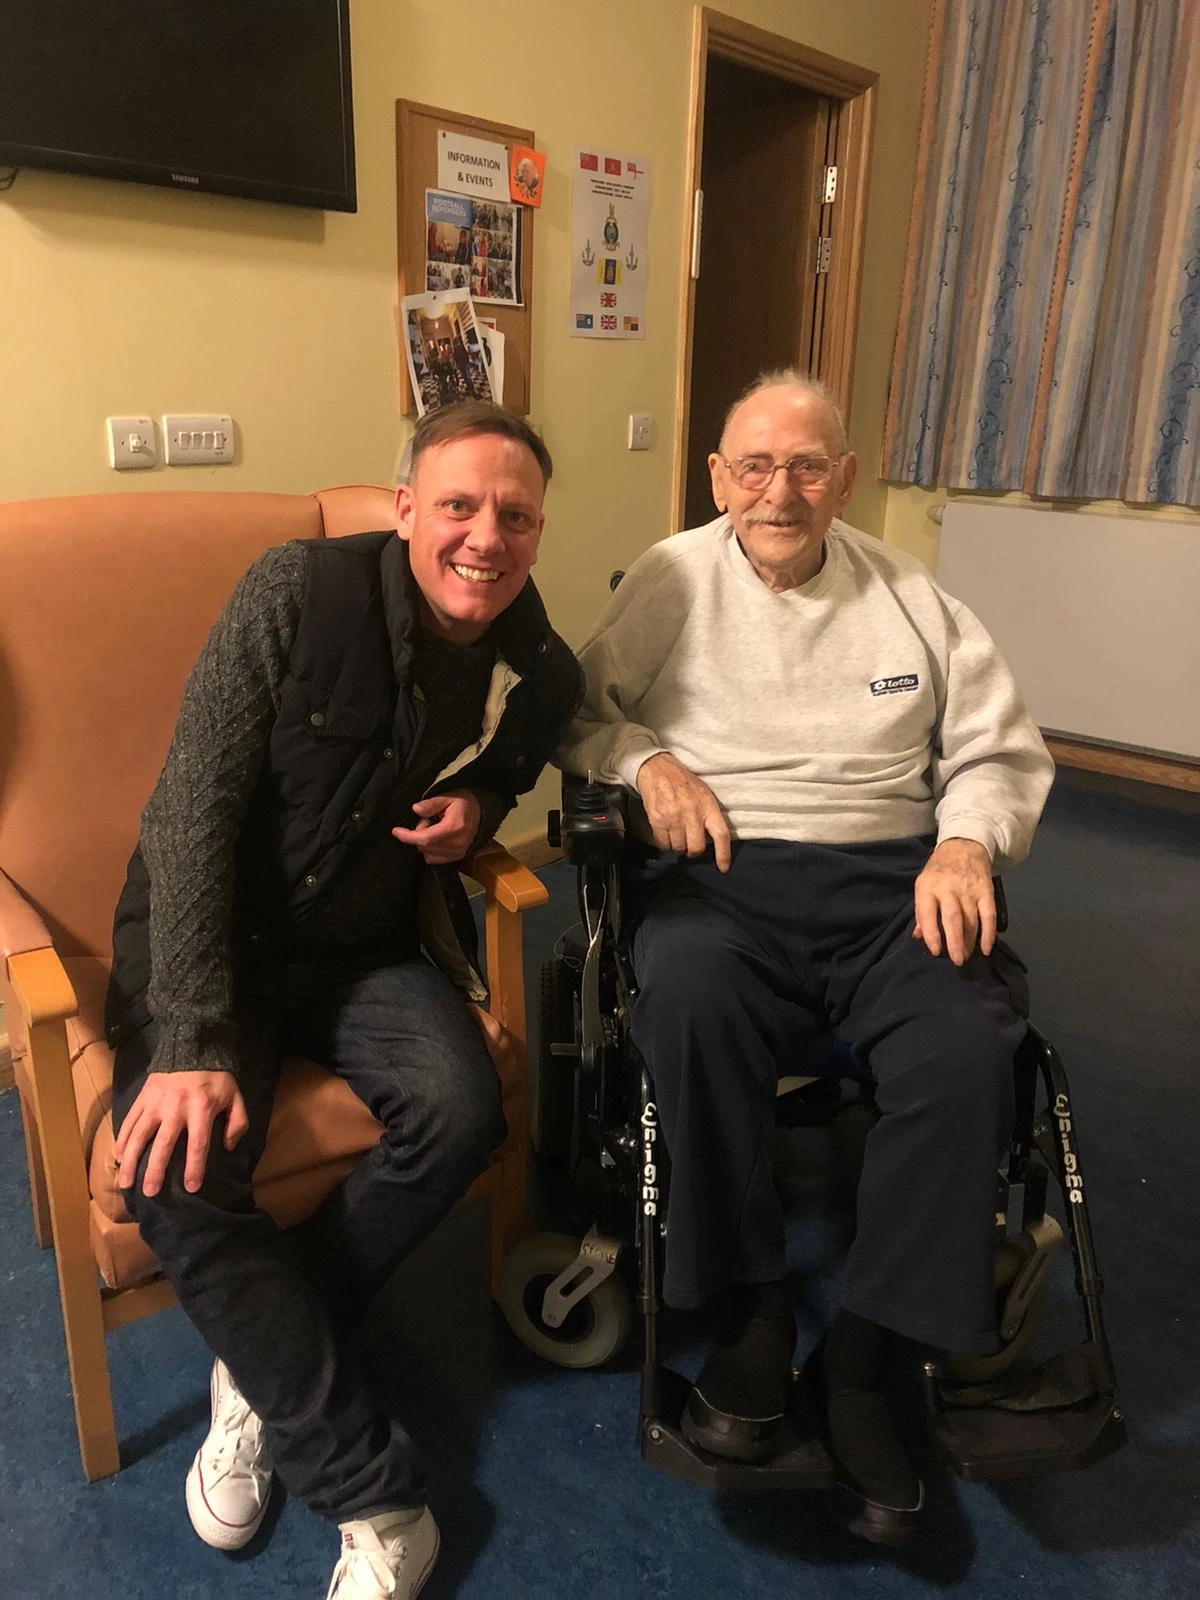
(804, 472)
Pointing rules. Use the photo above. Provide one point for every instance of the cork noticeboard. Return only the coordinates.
(417, 129)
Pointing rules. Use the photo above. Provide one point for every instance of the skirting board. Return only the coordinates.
(532, 849)
(1125, 764)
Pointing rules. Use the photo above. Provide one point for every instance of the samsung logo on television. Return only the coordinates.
(183, 177)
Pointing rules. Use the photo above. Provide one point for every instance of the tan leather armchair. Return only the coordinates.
(105, 601)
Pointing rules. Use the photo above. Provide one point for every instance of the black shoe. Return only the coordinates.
(872, 1519)
(725, 1434)
(874, 1510)
(736, 1408)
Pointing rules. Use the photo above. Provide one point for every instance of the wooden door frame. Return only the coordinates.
(853, 88)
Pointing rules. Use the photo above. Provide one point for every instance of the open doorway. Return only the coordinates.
(780, 149)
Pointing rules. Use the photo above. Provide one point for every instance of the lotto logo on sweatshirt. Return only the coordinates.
(905, 684)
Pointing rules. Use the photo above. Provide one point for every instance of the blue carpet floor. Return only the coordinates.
(533, 1472)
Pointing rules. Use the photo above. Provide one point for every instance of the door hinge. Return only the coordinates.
(824, 252)
(829, 193)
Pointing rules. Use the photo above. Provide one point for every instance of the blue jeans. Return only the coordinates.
(277, 1307)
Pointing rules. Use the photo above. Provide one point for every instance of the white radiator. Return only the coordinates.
(1098, 617)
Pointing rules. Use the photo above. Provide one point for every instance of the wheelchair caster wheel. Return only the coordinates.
(594, 1329)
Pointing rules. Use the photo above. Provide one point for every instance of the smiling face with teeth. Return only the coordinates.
(472, 519)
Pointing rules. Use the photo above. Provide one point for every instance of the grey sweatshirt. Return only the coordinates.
(864, 705)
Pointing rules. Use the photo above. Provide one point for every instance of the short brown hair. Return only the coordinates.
(476, 416)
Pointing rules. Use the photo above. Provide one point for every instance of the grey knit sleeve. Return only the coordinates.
(190, 825)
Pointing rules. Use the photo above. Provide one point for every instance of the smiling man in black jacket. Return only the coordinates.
(365, 710)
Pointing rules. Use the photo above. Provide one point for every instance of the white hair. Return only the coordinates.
(791, 378)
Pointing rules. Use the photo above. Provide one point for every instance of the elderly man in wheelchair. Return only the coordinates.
(832, 761)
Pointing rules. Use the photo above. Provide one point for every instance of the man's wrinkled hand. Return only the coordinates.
(682, 810)
(954, 896)
(446, 828)
(174, 1103)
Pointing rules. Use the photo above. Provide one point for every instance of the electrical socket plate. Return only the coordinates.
(639, 431)
(198, 441)
(131, 443)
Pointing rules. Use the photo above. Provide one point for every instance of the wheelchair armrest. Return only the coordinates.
(1001, 905)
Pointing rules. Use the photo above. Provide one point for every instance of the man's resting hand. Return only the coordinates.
(956, 886)
(448, 823)
(682, 810)
(172, 1103)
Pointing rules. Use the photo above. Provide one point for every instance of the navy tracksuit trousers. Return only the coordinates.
(736, 971)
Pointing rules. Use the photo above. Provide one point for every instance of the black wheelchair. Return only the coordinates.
(568, 1300)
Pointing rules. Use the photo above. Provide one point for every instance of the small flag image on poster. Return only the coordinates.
(589, 163)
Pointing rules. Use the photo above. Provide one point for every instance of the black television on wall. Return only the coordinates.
(245, 97)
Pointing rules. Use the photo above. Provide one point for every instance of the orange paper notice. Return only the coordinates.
(527, 171)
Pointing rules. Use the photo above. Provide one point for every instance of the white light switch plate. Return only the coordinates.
(639, 431)
(131, 443)
(193, 441)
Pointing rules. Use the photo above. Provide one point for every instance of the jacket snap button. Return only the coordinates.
(310, 880)
(520, 761)
(356, 816)
(388, 754)
(317, 719)
(542, 648)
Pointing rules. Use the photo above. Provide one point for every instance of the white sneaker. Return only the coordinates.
(383, 1559)
(229, 1483)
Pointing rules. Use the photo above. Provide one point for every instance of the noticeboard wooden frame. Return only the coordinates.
(416, 170)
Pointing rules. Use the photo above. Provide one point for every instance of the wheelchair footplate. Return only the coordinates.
(800, 1463)
(1061, 1416)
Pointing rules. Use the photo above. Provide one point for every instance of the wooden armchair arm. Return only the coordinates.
(510, 890)
(502, 877)
(40, 988)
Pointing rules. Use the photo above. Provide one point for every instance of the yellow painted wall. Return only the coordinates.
(125, 299)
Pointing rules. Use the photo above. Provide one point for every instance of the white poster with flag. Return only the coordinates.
(610, 257)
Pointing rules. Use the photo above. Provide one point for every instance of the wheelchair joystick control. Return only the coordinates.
(590, 797)
(593, 822)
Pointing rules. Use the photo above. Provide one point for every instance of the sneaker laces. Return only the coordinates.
(239, 1449)
(383, 1564)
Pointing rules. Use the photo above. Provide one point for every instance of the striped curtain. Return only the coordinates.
(1049, 336)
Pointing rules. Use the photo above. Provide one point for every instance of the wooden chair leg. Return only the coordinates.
(87, 1359)
(38, 1197)
(509, 1218)
(47, 999)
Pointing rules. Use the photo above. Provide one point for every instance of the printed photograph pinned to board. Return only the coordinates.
(444, 345)
(473, 244)
(610, 214)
